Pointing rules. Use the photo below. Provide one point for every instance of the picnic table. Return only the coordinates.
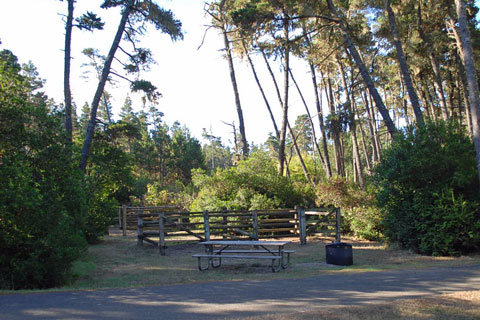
(216, 250)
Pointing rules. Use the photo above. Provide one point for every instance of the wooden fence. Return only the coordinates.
(128, 216)
(155, 224)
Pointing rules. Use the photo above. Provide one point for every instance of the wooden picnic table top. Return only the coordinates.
(245, 242)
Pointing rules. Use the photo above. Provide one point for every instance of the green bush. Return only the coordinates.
(253, 184)
(428, 190)
(360, 217)
(175, 194)
(42, 204)
(108, 183)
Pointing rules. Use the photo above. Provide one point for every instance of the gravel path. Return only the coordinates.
(221, 300)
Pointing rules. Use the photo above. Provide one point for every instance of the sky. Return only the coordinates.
(195, 83)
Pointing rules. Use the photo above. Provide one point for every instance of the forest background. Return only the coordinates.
(389, 131)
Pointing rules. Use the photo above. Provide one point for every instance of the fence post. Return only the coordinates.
(255, 224)
(123, 220)
(337, 225)
(224, 223)
(302, 224)
(206, 225)
(139, 229)
(161, 233)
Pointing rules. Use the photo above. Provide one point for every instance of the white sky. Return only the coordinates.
(195, 83)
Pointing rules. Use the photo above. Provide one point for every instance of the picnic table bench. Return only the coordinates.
(216, 250)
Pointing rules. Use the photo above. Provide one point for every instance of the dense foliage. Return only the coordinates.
(42, 204)
(253, 184)
(108, 184)
(360, 216)
(428, 191)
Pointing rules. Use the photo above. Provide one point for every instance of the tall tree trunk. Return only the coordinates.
(321, 121)
(471, 74)
(283, 131)
(272, 75)
(403, 66)
(315, 143)
(349, 102)
(363, 71)
(376, 127)
(279, 96)
(430, 111)
(334, 132)
(426, 97)
(404, 101)
(459, 101)
(434, 63)
(451, 95)
(372, 129)
(461, 69)
(238, 105)
(283, 101)
(101, 85)
(318, 105)
(463, 86)
(66, 76)
(364, 144)
(277, 133)
(299, 155)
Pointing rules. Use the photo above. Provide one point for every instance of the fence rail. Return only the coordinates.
(155, 224)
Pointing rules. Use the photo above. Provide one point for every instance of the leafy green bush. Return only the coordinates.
(108, 183)
(42, 204)
(360, 217)
(175, 194)
(253, 184)
(428, 191)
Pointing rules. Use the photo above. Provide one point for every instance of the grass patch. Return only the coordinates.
(118, 262)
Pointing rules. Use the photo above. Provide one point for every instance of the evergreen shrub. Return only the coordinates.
(42, 205)
(428, 191)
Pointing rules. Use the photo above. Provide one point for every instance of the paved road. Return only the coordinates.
(234, 299)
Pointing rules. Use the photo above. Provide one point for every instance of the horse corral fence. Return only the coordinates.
(155, 224)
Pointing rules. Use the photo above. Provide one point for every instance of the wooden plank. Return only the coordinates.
(124, 220)
(151, 241)
(223, 256)
(276, 211)
(276, 225)
(255, 225)
(323, 224)
(182, 225)
(151, 234)
(276, 236)
(206, 220)
(231, 226)
(139, 231)
(221, 215)
(245, 242)
(273, 214)
(275, 230)
(274, 220)
(245, 233)
(250, 251)
(185, 229)
(161, 236)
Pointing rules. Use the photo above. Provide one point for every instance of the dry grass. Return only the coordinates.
(118, 262)
(454, 306)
